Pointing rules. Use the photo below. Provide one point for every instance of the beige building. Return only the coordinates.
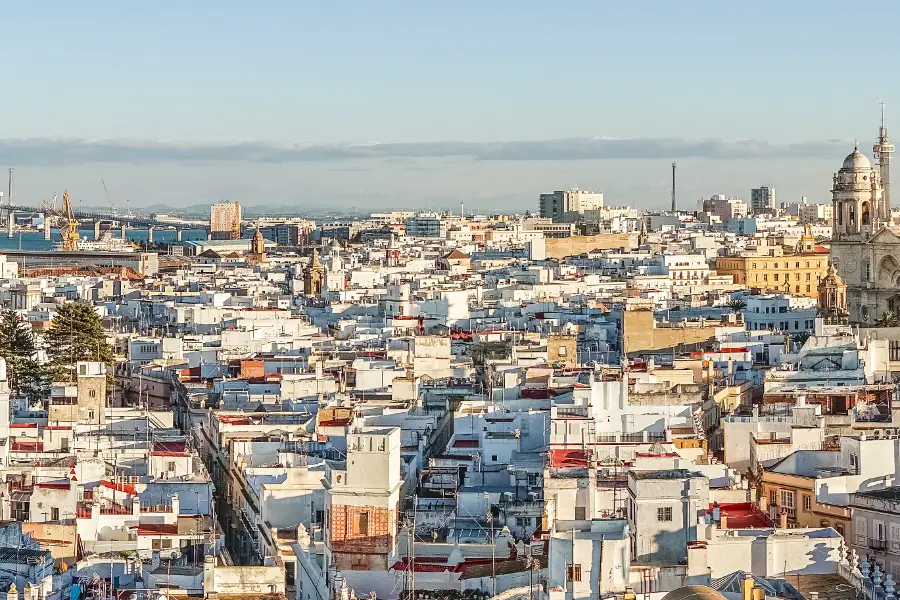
(566, 206)
(225, 221)
(562, 349)
(85, 401)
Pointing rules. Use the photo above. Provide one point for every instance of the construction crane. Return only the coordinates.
(236, 223)
(69, 230)
(112, 207)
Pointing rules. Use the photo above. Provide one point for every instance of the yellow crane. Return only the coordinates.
(69, 230)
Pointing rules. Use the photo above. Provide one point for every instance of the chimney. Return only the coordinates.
(209, 575)
(13, 593)
(723, 521)
(763, 503)
(759, 593)
(782, 520)
(747, 587)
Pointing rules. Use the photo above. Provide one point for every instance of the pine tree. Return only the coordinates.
(24, 373)
(76, 334)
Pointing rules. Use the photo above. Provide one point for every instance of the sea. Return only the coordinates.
(34, 240)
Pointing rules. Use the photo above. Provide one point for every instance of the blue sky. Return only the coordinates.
(281, 102)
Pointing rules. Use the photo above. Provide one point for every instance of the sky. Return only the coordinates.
(400, 104)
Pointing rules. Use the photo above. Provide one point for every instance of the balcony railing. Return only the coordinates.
(876, 544)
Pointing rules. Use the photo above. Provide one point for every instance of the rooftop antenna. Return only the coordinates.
(674, 204)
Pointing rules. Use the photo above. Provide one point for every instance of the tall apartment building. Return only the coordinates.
(816, 213)
(725, 208)
(426, 225)
(225, 221)
(569, 205)
(288, 234)
(762, 199)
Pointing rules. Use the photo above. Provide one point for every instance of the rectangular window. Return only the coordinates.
(362, 524)
(776, 276)
(54, 514)
(580, 513)
(170, 466)
(807, 502)
(573, 572)
(787, 499)
(772, 497)
(664, 514)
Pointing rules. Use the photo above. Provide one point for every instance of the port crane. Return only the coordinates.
(69, 230)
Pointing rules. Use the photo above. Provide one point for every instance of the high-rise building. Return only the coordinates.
(225, 221)
(762, 200)
(426, 225)
(569, 205)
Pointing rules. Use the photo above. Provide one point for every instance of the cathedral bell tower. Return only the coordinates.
(857, 199)
(882, 150)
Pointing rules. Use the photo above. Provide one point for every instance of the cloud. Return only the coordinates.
(55, 152)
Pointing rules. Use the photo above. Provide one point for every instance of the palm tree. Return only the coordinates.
(737, 305)
(888, 319)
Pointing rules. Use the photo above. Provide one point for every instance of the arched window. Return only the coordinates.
(851, 216)
(840, 212)
(866, 218)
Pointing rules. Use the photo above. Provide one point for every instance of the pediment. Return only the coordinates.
(887, 235)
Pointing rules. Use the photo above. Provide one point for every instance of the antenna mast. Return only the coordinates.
(674, 204)
(9, 198)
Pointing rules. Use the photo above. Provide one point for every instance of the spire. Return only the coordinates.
(882, 115)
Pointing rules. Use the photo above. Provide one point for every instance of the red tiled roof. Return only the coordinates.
(568, 458)
(54, 485)
(465, 444)
(157, 529)
(125, 488)
(176, 446)
(743, 515)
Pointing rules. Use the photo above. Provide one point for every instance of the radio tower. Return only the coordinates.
(9, 191)
(674, 204)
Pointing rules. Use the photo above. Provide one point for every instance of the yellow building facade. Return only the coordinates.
(795, 495)
(798, 274)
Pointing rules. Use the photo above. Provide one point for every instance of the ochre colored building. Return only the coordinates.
(798, 274)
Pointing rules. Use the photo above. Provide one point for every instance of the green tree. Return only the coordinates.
(76, 334)
(888, 319)
(737, 305)
(23, 371)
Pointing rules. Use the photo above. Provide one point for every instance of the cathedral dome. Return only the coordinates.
(857, 161)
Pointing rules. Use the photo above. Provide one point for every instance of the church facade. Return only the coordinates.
(865, 245)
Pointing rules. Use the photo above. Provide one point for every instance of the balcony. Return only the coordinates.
(876, 544)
